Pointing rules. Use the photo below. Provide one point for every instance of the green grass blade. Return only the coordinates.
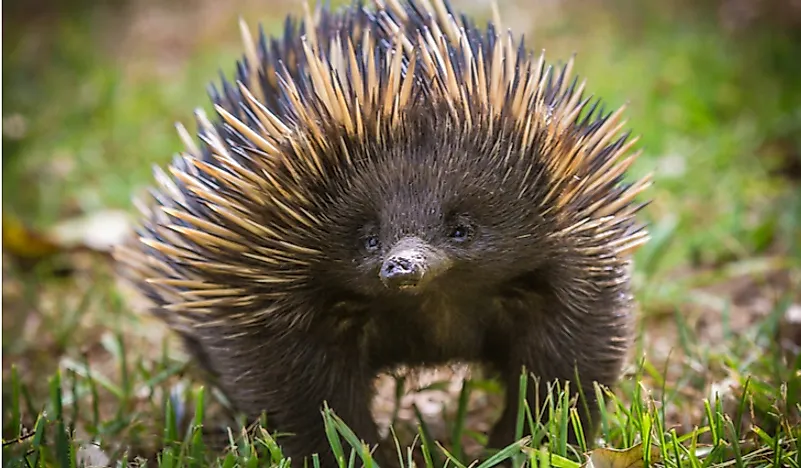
(458, 424)
(37, 443)
(62, 447)
(15, 421)
(331, 431)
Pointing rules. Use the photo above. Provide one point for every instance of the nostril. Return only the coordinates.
(402, 265)
(399, 269)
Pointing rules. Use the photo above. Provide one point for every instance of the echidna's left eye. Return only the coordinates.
(460, 232)
(372, 243)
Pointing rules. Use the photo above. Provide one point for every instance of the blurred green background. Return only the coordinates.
(91, 92)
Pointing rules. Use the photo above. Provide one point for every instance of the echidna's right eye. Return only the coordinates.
(372, 243)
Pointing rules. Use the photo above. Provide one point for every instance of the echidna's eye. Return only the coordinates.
(460, 232)
(372, 243)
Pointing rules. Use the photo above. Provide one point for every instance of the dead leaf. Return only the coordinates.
(790, 332)
(98, 231)
(92, 456)
(25, 243)
(613, 458)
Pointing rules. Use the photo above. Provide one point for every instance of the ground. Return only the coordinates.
(91, 95)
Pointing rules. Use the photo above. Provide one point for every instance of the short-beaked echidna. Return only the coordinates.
(393, 186)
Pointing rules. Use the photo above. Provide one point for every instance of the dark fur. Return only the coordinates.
(498, 305)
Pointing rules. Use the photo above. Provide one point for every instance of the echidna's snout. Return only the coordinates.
(411, 265)
(401, 272)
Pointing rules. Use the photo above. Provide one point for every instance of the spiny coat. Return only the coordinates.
(393, 186)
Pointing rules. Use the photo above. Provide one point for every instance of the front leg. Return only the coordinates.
(554, 348)
(288, 376)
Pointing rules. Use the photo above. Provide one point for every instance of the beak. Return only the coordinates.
(411, 265)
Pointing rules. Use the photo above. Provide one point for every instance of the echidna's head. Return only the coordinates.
(429, 214)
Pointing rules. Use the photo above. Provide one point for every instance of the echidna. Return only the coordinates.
(393, 186)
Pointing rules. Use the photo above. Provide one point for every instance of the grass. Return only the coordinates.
(710, 383)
